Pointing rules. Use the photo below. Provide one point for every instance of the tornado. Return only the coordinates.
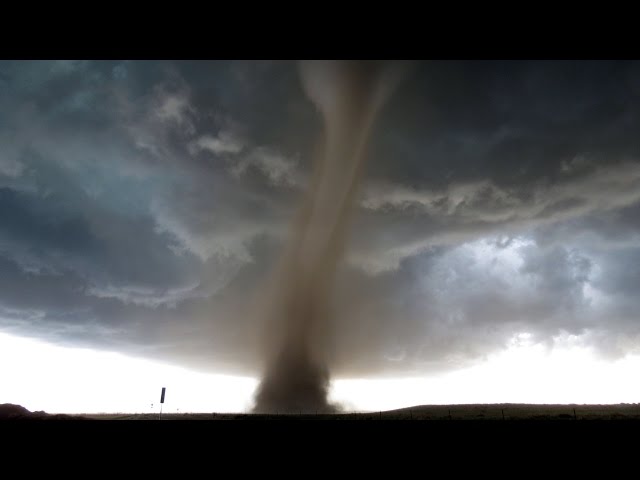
(348, 95)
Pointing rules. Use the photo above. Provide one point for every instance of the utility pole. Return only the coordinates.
(161, 402)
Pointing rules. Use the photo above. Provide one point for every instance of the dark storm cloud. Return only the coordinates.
(509, 121)
(142, 205)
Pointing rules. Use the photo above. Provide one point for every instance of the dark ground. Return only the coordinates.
(474, 436)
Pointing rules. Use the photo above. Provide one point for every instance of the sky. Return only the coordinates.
(143, 205)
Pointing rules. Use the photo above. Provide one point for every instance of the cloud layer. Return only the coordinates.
(143, 205)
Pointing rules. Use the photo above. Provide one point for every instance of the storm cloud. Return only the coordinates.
(144, 203)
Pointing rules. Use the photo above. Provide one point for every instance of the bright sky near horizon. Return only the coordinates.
(42, 376)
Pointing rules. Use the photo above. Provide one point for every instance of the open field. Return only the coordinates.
(551, 431)
(438, 413)
(496, 412)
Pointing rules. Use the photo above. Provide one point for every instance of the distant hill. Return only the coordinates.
(515, 411)
(9, 411)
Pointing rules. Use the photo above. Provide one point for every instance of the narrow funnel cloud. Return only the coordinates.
(348, 94)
